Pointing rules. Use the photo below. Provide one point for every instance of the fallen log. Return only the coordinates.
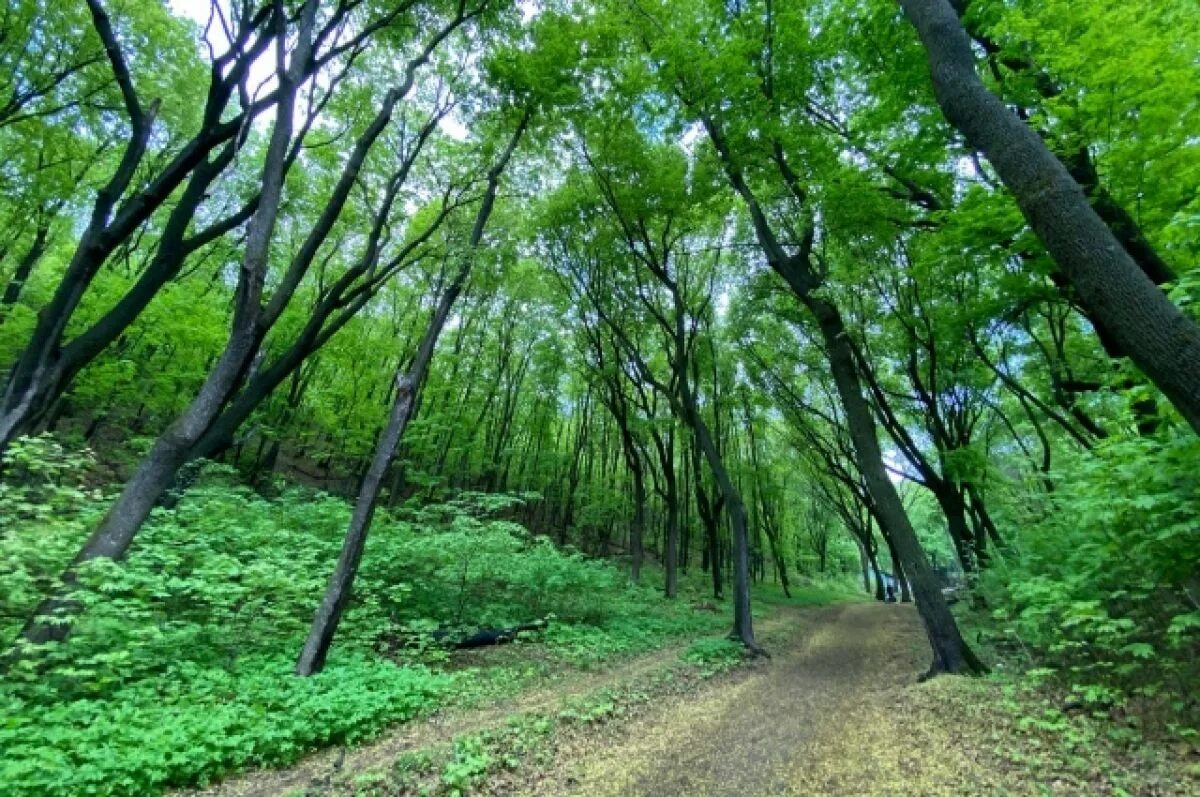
(485, 637)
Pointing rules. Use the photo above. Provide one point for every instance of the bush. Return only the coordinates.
(712, 656)
(179, 665)
(1101, 583)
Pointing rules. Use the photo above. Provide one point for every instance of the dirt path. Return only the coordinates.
(836, 711)
(327, 771)
(816, 719)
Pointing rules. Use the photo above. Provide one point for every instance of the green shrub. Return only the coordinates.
(1101, 583)
(179, 664)
(195, 723)
(712, 656)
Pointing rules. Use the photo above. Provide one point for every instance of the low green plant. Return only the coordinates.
(1099, 589)
(468, 765)
(712, 656)
(178, 668)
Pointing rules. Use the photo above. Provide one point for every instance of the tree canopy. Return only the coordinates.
(900, 291)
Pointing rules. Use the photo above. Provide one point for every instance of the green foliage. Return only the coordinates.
(44, 479)
(712, 656)
(179, 664)
(192, 723)
(478, 572)
(468, 765)
(1101, 579)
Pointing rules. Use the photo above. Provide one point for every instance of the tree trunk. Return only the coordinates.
(767, 519)
(154, 475)
(664, 446)
(712, 552)
(337, 594)
(865, 564)
(879, 592)
(671, 543)
(637, 531)
(743, 623)
(955, 511)
(16, 283)
(950, 651)
(1162, 341)
(408, 387)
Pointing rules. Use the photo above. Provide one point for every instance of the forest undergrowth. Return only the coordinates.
(179, 666)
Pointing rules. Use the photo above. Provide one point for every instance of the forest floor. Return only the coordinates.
(836, 710)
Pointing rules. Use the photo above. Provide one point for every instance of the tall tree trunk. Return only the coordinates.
(743, 622)
(900, 576)
(581, 440)
(950, 650)
(708, 516)
(664, 445)
(637, 529)
(1162, 341)
(767, 515)
(864, 563)
(671, 548)
(408, 387)
(154, 475)
(955, 510)
(337, 594)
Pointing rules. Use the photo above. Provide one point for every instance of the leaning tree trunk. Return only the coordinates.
(16, 283)
(743, 623)
(1162, 341)
(950, 651)
(114, 535)
(337, 594)
(408, 385)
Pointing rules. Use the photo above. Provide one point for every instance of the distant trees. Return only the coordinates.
(666, 228)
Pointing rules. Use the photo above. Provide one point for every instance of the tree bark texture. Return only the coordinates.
(1162, 341)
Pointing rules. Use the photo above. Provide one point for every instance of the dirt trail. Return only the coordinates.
(813, 720)
(836, 711)
(321, 770)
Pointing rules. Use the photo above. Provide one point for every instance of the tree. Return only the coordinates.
(408, 386)
(1162, 341)
(660, 228)
(252, 317)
